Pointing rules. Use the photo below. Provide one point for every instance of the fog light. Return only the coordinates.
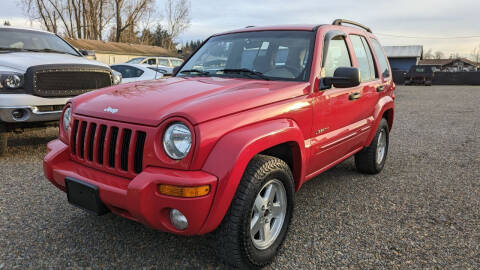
(178, 219)
(18, 114)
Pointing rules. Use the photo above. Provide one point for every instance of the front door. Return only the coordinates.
(342, 116)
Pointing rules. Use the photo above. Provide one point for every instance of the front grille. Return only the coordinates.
(66, 80)
(108, 146)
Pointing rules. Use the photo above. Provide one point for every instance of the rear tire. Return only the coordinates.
(257, 221)
(371, 159)
(3, 140)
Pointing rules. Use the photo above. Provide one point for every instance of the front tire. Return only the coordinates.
(257, 221)
(3, 140)
(371, 159)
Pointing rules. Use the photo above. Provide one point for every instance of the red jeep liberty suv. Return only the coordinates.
(224, 144)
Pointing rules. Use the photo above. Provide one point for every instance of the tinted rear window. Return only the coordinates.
(382, 59)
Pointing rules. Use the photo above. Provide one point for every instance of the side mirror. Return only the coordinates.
(343, 77)
(85, 52)
(175, 70)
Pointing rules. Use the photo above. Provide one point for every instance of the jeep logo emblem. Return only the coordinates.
(110, 110)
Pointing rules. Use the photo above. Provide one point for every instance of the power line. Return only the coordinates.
(426, 37)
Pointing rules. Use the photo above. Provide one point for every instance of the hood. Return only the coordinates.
(198, 99)
(21, 61)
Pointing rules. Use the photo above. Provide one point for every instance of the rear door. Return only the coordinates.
(370, 80)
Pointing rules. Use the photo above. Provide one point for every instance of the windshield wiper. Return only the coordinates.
(34, 50)
(49, 51)
(245, 70)
(200, 72)
(11, 49)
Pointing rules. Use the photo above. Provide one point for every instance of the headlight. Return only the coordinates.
(117, 77)
(67, 115)
(11, 80)
(177, 141)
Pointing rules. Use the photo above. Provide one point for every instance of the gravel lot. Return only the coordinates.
(422, 211)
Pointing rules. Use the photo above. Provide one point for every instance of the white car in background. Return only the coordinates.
(162, 63)
(137, 72)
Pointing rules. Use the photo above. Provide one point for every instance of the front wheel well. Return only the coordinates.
(290, 153)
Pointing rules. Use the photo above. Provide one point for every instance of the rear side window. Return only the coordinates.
(128, 71)
(337, 56)
(364, 58)
(382, 59)
(163, 62)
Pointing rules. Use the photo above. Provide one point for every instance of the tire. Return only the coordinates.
(3, 140)
(371, 159)
(234, 242)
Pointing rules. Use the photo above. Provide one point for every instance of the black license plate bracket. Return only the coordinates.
(85, 196)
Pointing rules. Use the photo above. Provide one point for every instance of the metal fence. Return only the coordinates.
(456, 78)
(444, 78)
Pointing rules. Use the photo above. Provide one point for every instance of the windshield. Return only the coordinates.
(25, 40)
(136, 60)
(272, 55)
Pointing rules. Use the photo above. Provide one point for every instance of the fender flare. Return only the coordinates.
(384, 104)
(232, 153)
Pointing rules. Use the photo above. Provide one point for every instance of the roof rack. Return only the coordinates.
(343, 21)
(249, 26)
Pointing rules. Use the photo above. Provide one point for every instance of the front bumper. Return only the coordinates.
(136, 199)
(28, 104)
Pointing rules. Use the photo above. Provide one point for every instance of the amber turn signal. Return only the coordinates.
(185, 192)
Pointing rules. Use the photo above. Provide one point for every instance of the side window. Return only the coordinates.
(364, 58)
(176, 63)
(152, 61)
(337, 56)
(128, 71)
(163, 62)
(382, 59)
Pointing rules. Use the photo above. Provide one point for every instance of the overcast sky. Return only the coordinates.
(431, 22)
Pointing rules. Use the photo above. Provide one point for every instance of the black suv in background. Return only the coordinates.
(420, 75)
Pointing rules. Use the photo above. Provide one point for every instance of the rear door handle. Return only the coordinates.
(380, 88)
(354, 96)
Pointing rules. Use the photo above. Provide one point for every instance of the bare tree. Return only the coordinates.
(177, 13)
(455, 56)
(476, 54)
(73, 18)
(428, 54)
(127, 15)
(439, 55)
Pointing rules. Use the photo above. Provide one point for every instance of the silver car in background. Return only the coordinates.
(137, 72)
(39, 73)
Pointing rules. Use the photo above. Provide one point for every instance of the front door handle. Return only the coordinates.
(380, 88)
(354, 96)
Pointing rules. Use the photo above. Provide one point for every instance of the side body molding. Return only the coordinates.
(233, 152)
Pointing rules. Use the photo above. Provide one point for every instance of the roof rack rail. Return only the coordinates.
(249, 26)
(343, 21)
